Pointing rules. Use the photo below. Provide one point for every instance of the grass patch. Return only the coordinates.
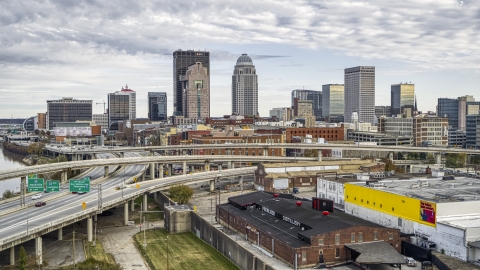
(98, 253)
(186, 251)
(96, 258)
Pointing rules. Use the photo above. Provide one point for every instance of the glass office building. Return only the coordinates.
(333, 103)
(157, 106)
(402, 96)
(313, 95)
(181, 61)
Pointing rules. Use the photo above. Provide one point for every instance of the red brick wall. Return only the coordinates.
(286, 253)
(330, 134)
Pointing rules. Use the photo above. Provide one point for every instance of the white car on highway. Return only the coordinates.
(36, 196)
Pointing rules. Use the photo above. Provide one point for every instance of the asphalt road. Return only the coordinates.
(30, 217)
(96, 173)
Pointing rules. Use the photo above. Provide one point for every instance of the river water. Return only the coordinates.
(6, 162)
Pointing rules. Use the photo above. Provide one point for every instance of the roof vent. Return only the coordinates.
(298, 203)
(275, 195)
(325, 213)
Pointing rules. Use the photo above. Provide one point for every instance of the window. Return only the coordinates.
(360, 237)
(337, 239)
(337, 253)
(304, 256)
(375, 235)
(399, 222)
(352, 236)
(321, 242)
(390, 236)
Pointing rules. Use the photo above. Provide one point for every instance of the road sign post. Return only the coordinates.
(82, 185)
(35, 184)
(52, 185)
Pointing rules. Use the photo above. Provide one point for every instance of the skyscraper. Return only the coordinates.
(360, 93)
(457, 110)
(402, 96)
(157, 106)
(196, 92)
(314, 96)
(244, 87)
(333, 103)
(181, 61)
(68, 109)
(122, 105)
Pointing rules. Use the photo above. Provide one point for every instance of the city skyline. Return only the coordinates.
(50, 50)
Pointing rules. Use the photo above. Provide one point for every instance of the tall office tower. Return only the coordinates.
(196, 92)
(314, 96)
(402, 96)
(360, 93)
(333, 102)
(181, 61)
(457, 110)
(244, 87)
(122, 105)
(157, 106)
(68, 109)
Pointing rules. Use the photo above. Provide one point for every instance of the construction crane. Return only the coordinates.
(103, 105)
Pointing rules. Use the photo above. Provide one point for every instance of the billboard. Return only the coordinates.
(72, 131)
(427, 211)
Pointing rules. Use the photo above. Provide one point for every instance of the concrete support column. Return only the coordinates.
(155, 196)
(12, 255)
(192, 168)
(184, 168)
(121, 154)
(219, 167)
(184, 152)
(145, 206)
(125, 213)
(320, 155)
(438, 158)
(152, 171)
(143, 176)
(95, 218)
(89, 229)
(230, 165)
(212, 185)
(132, 205)
(207, 165)
(240, 182)
(60, 234)
(106, 172)
(170, 169)
(38, 250)
(160, 170)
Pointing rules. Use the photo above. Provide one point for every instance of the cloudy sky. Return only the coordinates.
(87, 48)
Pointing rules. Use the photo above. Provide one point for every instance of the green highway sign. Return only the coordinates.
(35, 184)
(53, 185)
(82, 185)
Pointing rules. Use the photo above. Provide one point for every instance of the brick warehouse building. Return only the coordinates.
(300, 236)
(328, 133)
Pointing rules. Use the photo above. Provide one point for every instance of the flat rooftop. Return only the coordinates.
(433, 189)
(312, 220)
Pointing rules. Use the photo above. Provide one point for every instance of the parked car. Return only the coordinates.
(36, 196)
(81, 192)
(410, 261)
(39, 204)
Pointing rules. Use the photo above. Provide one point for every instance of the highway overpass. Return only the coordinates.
(26, 224)
(73, 165)
(392, 148)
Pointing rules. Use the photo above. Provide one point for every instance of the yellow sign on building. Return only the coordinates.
(393, 204)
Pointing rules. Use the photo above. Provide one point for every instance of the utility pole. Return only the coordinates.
(73, 244)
